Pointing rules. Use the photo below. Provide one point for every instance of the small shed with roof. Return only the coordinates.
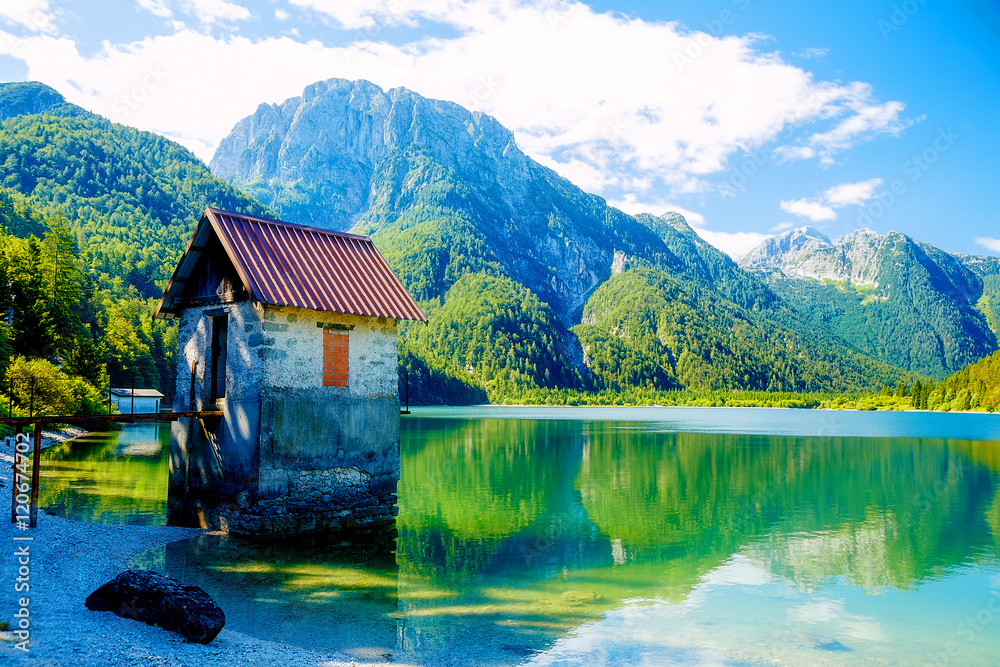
(136, 401)
(290, 331)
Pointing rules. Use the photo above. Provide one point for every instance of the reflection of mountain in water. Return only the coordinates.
(512, 532)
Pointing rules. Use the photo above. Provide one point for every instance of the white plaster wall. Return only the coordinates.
(293, 356)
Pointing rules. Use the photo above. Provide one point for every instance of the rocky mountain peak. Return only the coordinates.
(312, 158)
(864, 234)
(779, 250)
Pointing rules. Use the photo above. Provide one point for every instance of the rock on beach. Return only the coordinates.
(150, 597)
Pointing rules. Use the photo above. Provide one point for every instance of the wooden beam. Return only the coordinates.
(142, 416)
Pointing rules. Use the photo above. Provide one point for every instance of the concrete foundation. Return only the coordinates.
(290, 456)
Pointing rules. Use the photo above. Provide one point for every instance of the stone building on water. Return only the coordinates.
(290, 332)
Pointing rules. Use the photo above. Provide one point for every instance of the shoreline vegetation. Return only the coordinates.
(975, 388)
(732, 399)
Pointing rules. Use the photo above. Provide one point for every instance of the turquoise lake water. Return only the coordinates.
(607, 536)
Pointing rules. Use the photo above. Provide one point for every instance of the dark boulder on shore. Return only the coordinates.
(150, 597)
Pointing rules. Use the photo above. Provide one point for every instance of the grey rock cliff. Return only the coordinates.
(348, 155)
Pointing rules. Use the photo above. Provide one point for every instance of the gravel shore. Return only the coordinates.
(69, 560)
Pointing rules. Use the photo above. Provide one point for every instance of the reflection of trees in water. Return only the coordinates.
(986, 454)
(879, 511)
(479, 498)
(511, 532)
(99, 478)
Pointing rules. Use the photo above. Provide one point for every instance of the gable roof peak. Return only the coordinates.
(288, 264)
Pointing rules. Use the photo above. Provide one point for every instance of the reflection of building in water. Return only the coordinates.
(136, 401)
(140, 440)
(290, 333)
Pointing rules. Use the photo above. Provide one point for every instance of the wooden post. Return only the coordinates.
(36, 464)
(190, 433)
(109, 395)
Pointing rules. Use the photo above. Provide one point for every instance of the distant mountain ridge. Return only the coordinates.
(445, 193)
(887, 295)
(393, 164)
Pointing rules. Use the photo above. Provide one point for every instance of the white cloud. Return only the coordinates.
(216, 11)
(464, 14)
(792, 153)
(602, 98)
(782, 226)
(157, 8)
(813, 53)
(734, 244)
(988, 243)
(821, 208)
(846, 194)
(866, 120)
(35, 15)
(282, 15)
(812, 210)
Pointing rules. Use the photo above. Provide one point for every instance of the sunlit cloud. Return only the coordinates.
(989, 243)
(33, 15)
(852, 193)
(216, 11)
(813, 53)
(811, 210)
(821, 208)
(156, 8)
(668, 129)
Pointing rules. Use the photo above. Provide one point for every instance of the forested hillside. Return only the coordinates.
(508, 258)
(975, 387)
(886, 295)
(132, 197)
(644, 328)
(119, 205)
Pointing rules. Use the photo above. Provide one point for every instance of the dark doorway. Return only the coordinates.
(220, 343)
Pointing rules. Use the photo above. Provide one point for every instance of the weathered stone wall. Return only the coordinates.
(291, 346)
(290, 455)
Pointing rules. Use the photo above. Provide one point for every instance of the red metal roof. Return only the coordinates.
(293, 265)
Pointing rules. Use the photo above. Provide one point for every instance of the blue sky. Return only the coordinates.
(749, 116)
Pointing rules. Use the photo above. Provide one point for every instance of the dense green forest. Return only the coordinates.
(976, 387)
(63, 337)
(94, 216)
(643, 328)
(133, 196)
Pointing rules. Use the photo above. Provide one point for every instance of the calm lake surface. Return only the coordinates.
(590, 536)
